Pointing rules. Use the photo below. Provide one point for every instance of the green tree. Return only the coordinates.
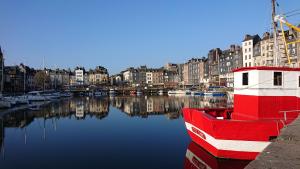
(41, 80)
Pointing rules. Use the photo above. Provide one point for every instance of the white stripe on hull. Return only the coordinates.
(231, 145)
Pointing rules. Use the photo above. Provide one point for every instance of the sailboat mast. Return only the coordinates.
(275, 46)
(2, 70)
(44, 73)
(24, 82)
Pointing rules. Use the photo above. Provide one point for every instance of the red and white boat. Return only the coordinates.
(265, 100)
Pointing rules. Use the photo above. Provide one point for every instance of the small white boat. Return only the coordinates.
(197, 93)
(65, 94)
(36, 96)
(179, 92)
(22, 99)
(161, 92)
(10, 99)
(51, 95)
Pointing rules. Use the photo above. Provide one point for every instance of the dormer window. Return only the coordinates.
(245, 79)
(277, 81)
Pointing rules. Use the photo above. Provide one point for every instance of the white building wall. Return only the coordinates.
(248, 60)
(79, 76)
(149, 77)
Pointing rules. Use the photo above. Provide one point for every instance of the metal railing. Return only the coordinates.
(288, 111)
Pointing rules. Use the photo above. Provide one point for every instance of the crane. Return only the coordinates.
(281, 19)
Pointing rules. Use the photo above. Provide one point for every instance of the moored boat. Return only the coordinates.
(179, 92)
(36, 96)
(265, 100)
(4, 103)
(161, 92)
(215, 91)
(197, 93)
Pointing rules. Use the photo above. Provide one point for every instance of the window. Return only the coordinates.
(245, 57)
(245, 64)
(249, 64)
(299, 81)
(249, 56)
(277, 79)
(249, 49)
(245, 78)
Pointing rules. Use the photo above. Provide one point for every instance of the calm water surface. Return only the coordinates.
(83, 132)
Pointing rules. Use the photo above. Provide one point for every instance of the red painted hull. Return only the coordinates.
(236, 139)
(265, 107)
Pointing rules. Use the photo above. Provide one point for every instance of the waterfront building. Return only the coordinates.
(213, 66)
(158, 77)
(116, 80)
(248, 46)
(73, 81)
(185, 74)
(13, 79)
(141, 75)
(149, 77)
(171, 67)
(195, 71)
(230, 59)
(130, 76)
(98, 76)
(180, 72)
(79, 75)
(155, 77)
(266, 51)
(171, 78)
(29, 74)
(59, 78)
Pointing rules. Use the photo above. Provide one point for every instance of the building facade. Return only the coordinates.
(230, 59)
(248, 45)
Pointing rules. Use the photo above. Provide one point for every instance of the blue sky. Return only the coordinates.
(121, 33)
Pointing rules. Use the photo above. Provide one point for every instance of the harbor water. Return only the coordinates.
(106, 132)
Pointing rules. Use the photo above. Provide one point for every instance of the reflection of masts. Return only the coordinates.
(2, 137)
(2, 72)
(44, 72)
(44, 134)
(54, 123)
(25, 130)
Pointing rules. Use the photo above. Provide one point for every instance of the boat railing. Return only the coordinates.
(288, 111)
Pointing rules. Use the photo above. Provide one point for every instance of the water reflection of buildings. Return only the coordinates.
(159, 105)
(77, 107)
(83, 106)
(146, 106)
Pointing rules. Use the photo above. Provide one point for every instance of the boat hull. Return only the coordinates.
(233, 139)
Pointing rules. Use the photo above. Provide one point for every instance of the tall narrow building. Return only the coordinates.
(248, 45)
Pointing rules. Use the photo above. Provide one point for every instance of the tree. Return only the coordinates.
(41, 80)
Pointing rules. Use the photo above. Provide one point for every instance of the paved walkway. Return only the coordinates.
(284, 153)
